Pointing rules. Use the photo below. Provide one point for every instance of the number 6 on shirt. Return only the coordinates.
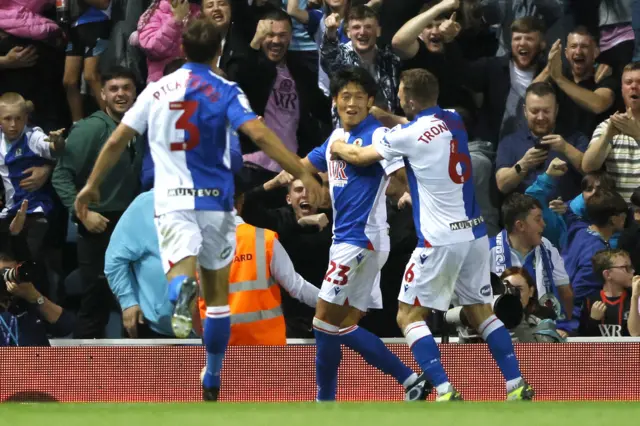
(189, 108)
(464, 160)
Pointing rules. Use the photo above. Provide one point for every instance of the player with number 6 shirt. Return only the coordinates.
(188, 115)
(452, 257)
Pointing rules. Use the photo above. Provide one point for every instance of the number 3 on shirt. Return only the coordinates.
(456, 158)
(188, 108)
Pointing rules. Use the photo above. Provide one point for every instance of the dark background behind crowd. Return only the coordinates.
(83, 70)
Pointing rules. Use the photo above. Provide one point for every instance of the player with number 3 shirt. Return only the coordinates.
(187, 116)
(452, 257)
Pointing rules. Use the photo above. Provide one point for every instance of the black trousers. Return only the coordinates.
(97, 300)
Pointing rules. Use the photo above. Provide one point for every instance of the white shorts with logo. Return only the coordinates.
(209, 235)
(353, 277)
(435, 274)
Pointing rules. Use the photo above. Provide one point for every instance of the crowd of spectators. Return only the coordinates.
(549, 91)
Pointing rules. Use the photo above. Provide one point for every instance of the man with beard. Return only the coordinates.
(281, 91)
(525, 154)
(451, 257)
(615, 141)
(584, 98)
(504, 80)
(235, 33)
(118, 190)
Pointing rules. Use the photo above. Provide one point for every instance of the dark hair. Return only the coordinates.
(583, 31)
(603, 260)
(514, 270)
(173, 66)
(606, 181)
(278, 15)
(117, 72)
(360, 13)
(357, 75)
(528, 24)
(201, 41)
(635, 197)
(517, 207)
(603, 205)
(316, 176)
(420, 85)
(540, 89)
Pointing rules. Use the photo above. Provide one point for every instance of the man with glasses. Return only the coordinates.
(605, 312)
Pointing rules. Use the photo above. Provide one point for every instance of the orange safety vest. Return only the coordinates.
(254, 295)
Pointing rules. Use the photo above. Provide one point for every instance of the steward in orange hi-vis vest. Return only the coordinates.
(259, 266)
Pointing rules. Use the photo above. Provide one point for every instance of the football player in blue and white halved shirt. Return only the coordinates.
(188, 114)
(360, 242)
(452, 257)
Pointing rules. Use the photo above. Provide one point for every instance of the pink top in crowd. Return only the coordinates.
(21, 18)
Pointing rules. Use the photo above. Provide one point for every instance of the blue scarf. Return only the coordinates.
(503, 261)
(8, 332)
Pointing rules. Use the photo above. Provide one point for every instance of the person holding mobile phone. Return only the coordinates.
(527, 153)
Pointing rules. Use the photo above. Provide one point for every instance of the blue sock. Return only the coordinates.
(217, 329)
(174, 287)
(328, 355)
(376, 353)
(426, 352)
(501, 347)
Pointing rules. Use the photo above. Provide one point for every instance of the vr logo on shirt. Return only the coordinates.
(337, 174)
(192, 192)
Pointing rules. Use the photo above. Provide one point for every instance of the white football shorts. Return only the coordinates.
(435, 274)
(208, 235)
(353, 277)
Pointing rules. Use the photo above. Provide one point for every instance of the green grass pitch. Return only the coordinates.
(312, 414)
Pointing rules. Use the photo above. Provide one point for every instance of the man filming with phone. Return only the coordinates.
(527, 153)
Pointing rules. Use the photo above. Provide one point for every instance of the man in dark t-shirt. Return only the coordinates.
(427, 42)
(585, 99)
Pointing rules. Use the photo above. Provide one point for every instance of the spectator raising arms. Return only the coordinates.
(159, 32)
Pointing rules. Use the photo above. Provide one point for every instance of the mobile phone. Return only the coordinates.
(540, 145)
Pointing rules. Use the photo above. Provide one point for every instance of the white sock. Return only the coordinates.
(513, 384)
(443, 388)
(410, 381)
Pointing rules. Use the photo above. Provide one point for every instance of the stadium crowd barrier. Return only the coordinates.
(168, 371)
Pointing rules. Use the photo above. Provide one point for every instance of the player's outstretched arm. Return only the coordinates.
(108, 157)
(386, 118)
(271, 145)
(355, 155)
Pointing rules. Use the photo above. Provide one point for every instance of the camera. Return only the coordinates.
(19, 274)
(506, 306)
